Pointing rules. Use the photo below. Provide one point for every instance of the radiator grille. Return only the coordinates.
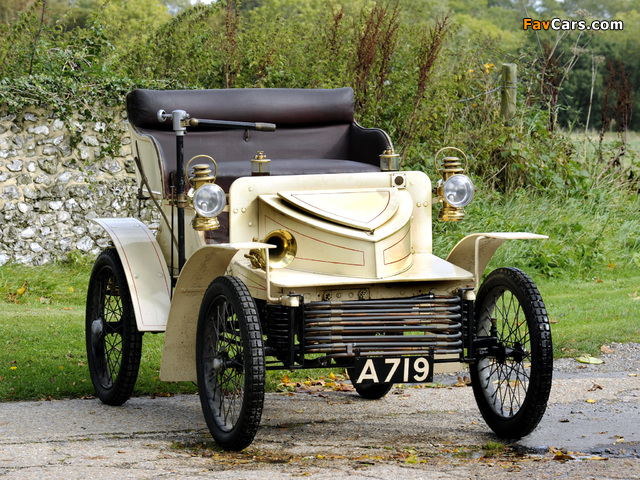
(413, 326)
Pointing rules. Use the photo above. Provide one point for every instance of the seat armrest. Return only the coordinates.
(367, 144)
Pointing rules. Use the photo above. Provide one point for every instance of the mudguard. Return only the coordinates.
(145, 269)
(179, 351)
(474, 251)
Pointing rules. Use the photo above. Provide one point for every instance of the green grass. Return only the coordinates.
(592, 312)
(42, 347)
(42, 355)
(586, 233)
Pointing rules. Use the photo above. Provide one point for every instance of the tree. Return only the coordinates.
(10, 9)
(177, 6)
(130, 21)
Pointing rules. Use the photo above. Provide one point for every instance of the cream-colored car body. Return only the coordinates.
(358, 236)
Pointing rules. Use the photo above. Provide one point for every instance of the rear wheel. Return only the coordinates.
(230, 363)
(114, 344)
(512, 381)
(370, 391)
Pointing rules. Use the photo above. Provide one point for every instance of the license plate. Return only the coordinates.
(393, 370)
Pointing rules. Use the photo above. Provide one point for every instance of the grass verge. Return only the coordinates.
(42, 346)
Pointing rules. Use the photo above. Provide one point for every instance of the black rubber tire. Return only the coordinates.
(114, 344)
(370, 391)
(230, 363)
(512, 392)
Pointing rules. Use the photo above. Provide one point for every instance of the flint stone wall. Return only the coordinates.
(49, 190)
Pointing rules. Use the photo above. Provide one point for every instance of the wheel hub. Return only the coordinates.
(97, 328)
(217, 364)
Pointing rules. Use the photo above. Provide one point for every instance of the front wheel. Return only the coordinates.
(230, 363)
(512, 381)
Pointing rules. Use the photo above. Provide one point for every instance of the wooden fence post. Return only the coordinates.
(509, 90)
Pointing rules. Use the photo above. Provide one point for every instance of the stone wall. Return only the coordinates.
(49, 190)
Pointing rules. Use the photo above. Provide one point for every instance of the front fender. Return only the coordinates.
(474, 252)
(179, 350)
(145, 269)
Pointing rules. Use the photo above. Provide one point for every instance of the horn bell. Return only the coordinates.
(279, 257)
(286, 248)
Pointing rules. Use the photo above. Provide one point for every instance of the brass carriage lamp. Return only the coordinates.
(260, 165)
(389, 161)
(454, 189)
(208, 199)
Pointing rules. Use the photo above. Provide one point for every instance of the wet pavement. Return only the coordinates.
(590, 430)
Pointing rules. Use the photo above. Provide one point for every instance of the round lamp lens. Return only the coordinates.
(209, 200)
(458, 191)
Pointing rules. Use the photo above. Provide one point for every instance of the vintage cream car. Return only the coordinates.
(298, 247)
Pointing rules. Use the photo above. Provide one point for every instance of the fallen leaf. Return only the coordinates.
(595, 387)
(589, 359)
(563, 457)
(22, 289)
(606, 350)
(463, 382)
(590, 400)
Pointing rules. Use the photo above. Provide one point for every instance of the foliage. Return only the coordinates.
(429, 83)
(588, 234)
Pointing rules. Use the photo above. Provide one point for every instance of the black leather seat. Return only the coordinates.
(315, 130)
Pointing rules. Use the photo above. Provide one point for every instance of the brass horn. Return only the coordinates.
(279, 257)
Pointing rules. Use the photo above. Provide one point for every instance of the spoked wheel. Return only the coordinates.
(370, 391)
(114, 344)
(230, 363)
(512, 381)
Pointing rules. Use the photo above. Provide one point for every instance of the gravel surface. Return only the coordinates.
(590, 430)
(622, 358)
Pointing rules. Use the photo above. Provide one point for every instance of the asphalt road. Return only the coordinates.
(591, 430)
